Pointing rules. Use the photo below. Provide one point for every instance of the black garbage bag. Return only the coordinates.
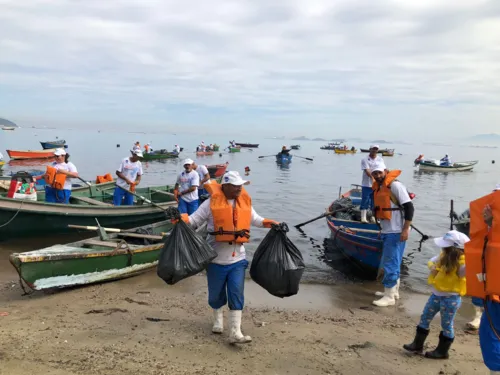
(184, 254)
(277, 264)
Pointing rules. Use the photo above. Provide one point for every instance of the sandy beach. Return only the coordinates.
(141, 326)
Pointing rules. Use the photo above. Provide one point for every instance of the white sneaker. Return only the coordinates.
(363, 216)
(388, 299)
(235, 335)
(218, 321)
(396, 294)
(474, 324)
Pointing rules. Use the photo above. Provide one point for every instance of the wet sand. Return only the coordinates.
(143, 326)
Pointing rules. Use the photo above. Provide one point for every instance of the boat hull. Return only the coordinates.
(53, 144)
(23, 155)
(217, 170)
(295, 147)
(159, 156)
(341, 152)
(204, 153)
(247, 145)
(234, 149)
(457, 167)
(283, 159)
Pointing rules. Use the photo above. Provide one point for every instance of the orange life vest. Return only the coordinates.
(102, 179)
(382, 196)
(482, 252)
(230, 225)
(54, 179)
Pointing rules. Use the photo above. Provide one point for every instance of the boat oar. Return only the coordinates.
(266, 156)
(303, 157)
(168, 210)
(424, 236)
(328, 213)
(110, 230)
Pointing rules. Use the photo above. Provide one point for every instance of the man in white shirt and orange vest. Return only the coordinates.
(228, 214)
(367, 181)
(394, 209)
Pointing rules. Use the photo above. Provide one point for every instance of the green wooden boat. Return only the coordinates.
(216, 147)
(160, 154)
(234, 149)
(110, 256)
(27, 218)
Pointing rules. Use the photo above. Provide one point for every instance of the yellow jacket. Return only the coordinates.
(452, 282)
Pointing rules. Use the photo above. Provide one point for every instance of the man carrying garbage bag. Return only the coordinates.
(228, 214)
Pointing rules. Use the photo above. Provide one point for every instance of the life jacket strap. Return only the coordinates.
(240, 233)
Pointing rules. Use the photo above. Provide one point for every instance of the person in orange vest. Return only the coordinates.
(394, 209)
(229, 214)
(147, 147)
(58, 178)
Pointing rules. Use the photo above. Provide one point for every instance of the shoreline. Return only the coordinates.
(113, 328)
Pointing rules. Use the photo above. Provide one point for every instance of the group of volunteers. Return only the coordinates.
(393, 210)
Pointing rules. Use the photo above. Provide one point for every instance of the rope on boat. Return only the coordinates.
(13, 217)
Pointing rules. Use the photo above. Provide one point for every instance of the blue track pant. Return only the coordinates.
(392, 256)
(226, 283)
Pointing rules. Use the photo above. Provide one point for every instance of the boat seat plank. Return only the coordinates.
(101, 243)
(91, 201)
(139, 235)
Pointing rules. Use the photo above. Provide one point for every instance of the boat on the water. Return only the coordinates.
(247, 145)
(37, 218)
(433, 165)
(330, 146)
(30, 154)
(217, 170)
(295, 147)
(8, 128)
(380, 151)
(232, 150)
(159, 154)
(342, 151)
(283, 158)
(2, 163)
(109, 256)
(204, 153)
(47, 145)
(388, 152)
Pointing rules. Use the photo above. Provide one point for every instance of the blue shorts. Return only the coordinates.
(57, 196)
(121, 196)
(188, 207)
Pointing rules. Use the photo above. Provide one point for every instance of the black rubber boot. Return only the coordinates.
(417, 346)
(441, 352)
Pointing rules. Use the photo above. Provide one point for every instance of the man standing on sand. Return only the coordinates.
(129, 175)
(394, 209)
(229, 214)
(186, 189)
(367, 181)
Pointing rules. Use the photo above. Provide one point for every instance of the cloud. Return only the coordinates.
(316, 62)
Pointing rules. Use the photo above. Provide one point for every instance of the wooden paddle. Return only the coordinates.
(303, 157)
(328, 213)
(167, 210)
(266, 156)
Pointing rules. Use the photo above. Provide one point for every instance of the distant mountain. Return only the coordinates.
(380, 141)
(300, 139)
(319, 139)
(4, 122)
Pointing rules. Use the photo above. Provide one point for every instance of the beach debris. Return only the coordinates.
(4, 313)
(130, 300)
(107, 311)
(157, 319)
(143, 292)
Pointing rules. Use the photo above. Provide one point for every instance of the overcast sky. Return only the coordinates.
(422, 68)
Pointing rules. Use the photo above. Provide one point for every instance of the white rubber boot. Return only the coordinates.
(218, 321)
(363, 216)
(388, 298)
(396, 295)
(235, 335)
(474, 324)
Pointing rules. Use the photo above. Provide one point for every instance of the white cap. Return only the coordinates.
(375, 146)
(497, 187)
(188, 161)
(452, 238)
(137, 152)
(233, 178)
(59, 152)
(379, 167)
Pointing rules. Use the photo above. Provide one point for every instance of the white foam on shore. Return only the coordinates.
(88, 278)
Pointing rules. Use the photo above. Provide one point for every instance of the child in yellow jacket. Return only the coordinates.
(447, 278)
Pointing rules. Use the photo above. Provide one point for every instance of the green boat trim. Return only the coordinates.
(234, 149)
(158, 155)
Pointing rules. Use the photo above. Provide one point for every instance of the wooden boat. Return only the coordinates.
(216, 148)
(388, 153)
(234, 149)
(330, 146)
(380, 151)
(54, 144)
(354, 194)
(29, 154)
(283, 158)
(110, 256)
(295, 147)
(204, 153)
(463, 166)
(27, 218)
(342, 151)
(159, 154)
(217, 170)
(247, 145)
(2, 163)
(8, 128)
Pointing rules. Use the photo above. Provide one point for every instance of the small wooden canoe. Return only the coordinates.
(456, 167)
(94, 260)
(8, 128)
(160, 154)
(283, 158)
(342, 151)
(28, 218)
(232, 150)
(47, 145)
(247, 145)
(295, 147)
(217, 170)
(216, 148)
(30, 154)
(388, 153)
(204, 153)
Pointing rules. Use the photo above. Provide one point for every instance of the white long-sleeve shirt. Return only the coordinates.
(224, 250)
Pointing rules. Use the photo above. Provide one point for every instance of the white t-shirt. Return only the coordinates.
(224, 250)
(395, 225)
(130, 170)
(186, 181)
(202, 171)
(68, 167)
(368, 163)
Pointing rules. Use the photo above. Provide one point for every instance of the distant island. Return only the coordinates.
(319, 139)
(302, 138)
(5, 122)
